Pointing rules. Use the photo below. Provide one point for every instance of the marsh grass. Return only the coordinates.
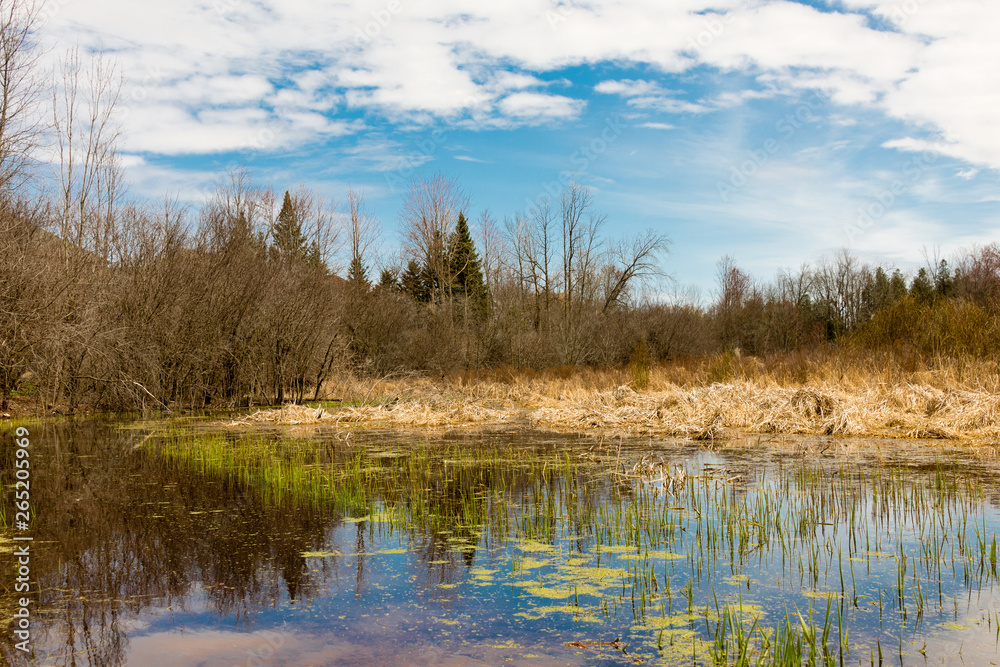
(845, 393)
(626, 539)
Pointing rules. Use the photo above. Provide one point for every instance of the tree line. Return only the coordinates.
(941, 310)
(261, 298)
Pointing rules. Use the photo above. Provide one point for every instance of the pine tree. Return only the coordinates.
(357, 276)
(387, 280)
(880, 292)
(942, 280)
(415, 282)
(897, 285)
(921, 288)
(289, 241)
(467, 275)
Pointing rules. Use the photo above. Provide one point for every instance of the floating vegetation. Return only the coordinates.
(709, 558)
(801, 552)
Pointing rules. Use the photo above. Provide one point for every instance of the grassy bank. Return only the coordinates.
(827, 392)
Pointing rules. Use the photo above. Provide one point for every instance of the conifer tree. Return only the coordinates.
(897, 285)
(387, 280)
(467, 274)
(289, 241)
(357, 275)
(879, 292)
(943, 282)
(921, 288)
(415, 282)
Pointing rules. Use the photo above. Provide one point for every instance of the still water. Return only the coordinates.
(182, 543)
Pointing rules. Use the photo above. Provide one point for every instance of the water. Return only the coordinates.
(179, 544)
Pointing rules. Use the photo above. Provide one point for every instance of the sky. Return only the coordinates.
(774, 132)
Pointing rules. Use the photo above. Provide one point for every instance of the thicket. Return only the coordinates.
(241, 304)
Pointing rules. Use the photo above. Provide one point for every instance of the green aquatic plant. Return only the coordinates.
(641, 549)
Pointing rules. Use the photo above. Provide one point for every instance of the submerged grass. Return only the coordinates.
(690, 559)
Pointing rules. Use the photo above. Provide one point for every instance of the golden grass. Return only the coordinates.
(846, 393)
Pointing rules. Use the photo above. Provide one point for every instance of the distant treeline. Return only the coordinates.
(142, 308)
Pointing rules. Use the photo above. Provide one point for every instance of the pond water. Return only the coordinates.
(177, 543)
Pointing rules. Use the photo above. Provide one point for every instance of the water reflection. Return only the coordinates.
(194, 547)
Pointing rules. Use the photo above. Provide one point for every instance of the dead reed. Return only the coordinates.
(845, 393)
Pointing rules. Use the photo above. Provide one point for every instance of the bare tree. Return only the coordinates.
(735, 290)
(320, 225)
(90, 186)
(86, 135)
(239, 213)
(363, 231)
(633, 260)
(838, 291)
(430, 208)
(581, 254)
(20, 86)
(28, 288)
(795, 287)
(494, 248)
(533, 259)
(580, 228)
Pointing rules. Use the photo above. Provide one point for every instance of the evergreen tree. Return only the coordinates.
(387, 280)
(878, 292)
(943, 282)
(357, 275)
(415, 282)
(897, 285)
(289, 241)
(921, 288)
(467, 275)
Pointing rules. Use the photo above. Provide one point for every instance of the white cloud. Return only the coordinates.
(627, 88)
(477, 64)
(648, 95)
(539, 107)
(131, 161)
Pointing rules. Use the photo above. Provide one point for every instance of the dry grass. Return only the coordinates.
(845, 393)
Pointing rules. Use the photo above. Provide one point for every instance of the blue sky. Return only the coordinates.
(775, 132)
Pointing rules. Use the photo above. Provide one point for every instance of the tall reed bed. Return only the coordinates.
(848, 393)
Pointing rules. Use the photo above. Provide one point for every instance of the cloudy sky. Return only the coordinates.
(776, 132)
